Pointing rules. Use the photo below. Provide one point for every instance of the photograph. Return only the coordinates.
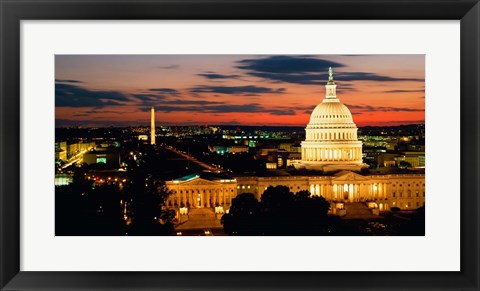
(240, 145)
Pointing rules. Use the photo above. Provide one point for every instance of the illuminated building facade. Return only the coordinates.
(195, 192)
(331, 141)
(331, 146)
(405, 191)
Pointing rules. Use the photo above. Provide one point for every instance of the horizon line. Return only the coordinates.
(249, 125)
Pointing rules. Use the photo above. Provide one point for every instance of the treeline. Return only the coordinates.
(281, 212)
(137, 208)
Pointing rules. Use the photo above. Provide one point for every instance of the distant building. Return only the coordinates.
(415, 159)
(386, 159)
(72, 149)
(196, 192)
(63, 179)
(143, 137)
(234, 149)
(85, 146)
(60, 154)
(62, 145)
(109, 156)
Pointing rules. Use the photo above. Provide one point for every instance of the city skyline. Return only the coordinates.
(271, 90)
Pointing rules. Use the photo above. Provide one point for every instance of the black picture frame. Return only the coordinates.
(13, 11)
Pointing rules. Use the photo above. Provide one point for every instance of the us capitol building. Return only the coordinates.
(331, 148)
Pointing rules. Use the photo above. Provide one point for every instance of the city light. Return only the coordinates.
(316, 157)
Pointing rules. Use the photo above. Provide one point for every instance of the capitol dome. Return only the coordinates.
(331, 141)
(330, 113)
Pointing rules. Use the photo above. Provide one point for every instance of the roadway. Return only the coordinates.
(75, 159)
(194, 160)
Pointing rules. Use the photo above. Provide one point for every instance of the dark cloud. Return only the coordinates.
(216, 76)
(103, 111)
(364, 76)
(305, 70)
(287, 65)
(288, 69)
(284, 111)
(67, 95)
(399, 122)
(403, 91)
(218, 107)
(67, 81)
(96, 122)
(178, 105)
(369, 108)
(170, 67)
(321, 78)
(304, 79)
(191, 102)
(155, 95)
(149, 97)
(168, 91)
(249, 90)
(343, 87)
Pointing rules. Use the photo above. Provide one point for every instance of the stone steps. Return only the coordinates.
(358, 210)
(200, 218)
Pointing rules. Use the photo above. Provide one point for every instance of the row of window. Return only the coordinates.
(409, 194)
(175, 203)
(198, 191)
(331, 116)
(394, 193)
(332, 135)
(401, 185)
(249, 187)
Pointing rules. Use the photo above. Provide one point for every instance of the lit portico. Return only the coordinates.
(351, 187)
(195, 192)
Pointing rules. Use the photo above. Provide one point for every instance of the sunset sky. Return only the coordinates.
(118, 90)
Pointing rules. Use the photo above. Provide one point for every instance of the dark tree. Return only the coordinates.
(279, 212)
(84, 209)
(147, 196)
(416, 225)
(243, 217)
(310, 213)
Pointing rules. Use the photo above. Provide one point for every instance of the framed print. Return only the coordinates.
(238, 145)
